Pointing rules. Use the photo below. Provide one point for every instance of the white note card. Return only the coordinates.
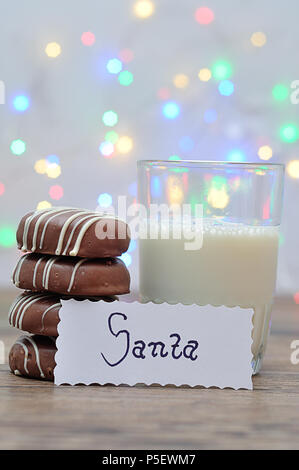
(130, 343)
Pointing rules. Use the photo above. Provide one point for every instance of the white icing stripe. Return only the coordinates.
(76, 267)
(72, 232)
(46, 311)
(37, 224)
(25, 356)
(16, 274)
(57, 212)
(29, 338)
(27, 225)
(13, 307)
(22, 310)
(81, 234)
(35, 271)
(64, 229)
(47, 271)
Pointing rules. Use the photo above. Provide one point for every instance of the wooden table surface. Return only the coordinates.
(38, 415)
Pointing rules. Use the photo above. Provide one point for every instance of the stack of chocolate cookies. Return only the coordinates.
(71, 253)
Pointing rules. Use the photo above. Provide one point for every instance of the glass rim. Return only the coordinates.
(211, 163)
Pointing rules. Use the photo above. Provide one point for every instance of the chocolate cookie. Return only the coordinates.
(38, 313)
(33, 356)
(72, 232)
(72, 276)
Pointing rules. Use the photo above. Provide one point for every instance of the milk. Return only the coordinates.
(236, 266)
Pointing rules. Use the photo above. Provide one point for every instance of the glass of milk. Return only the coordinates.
(210, 236)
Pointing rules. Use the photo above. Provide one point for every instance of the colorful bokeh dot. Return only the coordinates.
(289, 133)
(53, 170)
(181, 80)
(41, 166)
(258, 39)
(124, 144)
(53, 50)
(2, 189)
(18, 147)
(222, 70)
(110, 118)
(88, 38)
(204, 75)
(21, 103)
(106, 148)
(111, 136)
(293, 168)
(265, 152)
(236, 155)
(226, 88)
(56, 192)
(126, 55)
(143, 8)
(43, 205)
(125, 78)
(105, 200)
(280, 92)
(171, 110)
(204, 15)
(7, 236)
(114, 66)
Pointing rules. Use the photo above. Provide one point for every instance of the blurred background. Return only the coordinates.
(88, 88)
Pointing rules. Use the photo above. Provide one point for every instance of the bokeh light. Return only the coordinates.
(40, 166)
(111, 136)
(222, 70)
(280, 92)
(53, 170)
(236, 155)
(132, 246)
(258, 39)
(105, 200)
(53, 49)
(204, 75)
(114, 66)
(210, 116)
(265, 152)
(181, 80)
(296, 298)
(2, 189)
(174, 158)
(110, 118)
(143, 8)
(293, 169)
(171, 110)
(175, 190)
(124, 144)
(289, 133)
(125, 78)
(156, 189)
(53, 159)
(186, 144)
(56, 192)
(43, 205)
(163, 93)
(204, 15)
(7, 236)
(226, 88)
(126, 258)
(106, 148)
(18, 147)
(88, 38)
(21, 103)
(126, 55)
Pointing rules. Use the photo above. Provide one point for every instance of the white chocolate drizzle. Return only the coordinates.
(64, 229)
(58, 212)
(77, 265)
(16, 273)
(46, 311)
(38, 222)
(72, 233)
(25, 356)
(37, 358)
(47, 271)
(81, 234)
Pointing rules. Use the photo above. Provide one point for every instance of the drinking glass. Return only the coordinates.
(236, 264)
